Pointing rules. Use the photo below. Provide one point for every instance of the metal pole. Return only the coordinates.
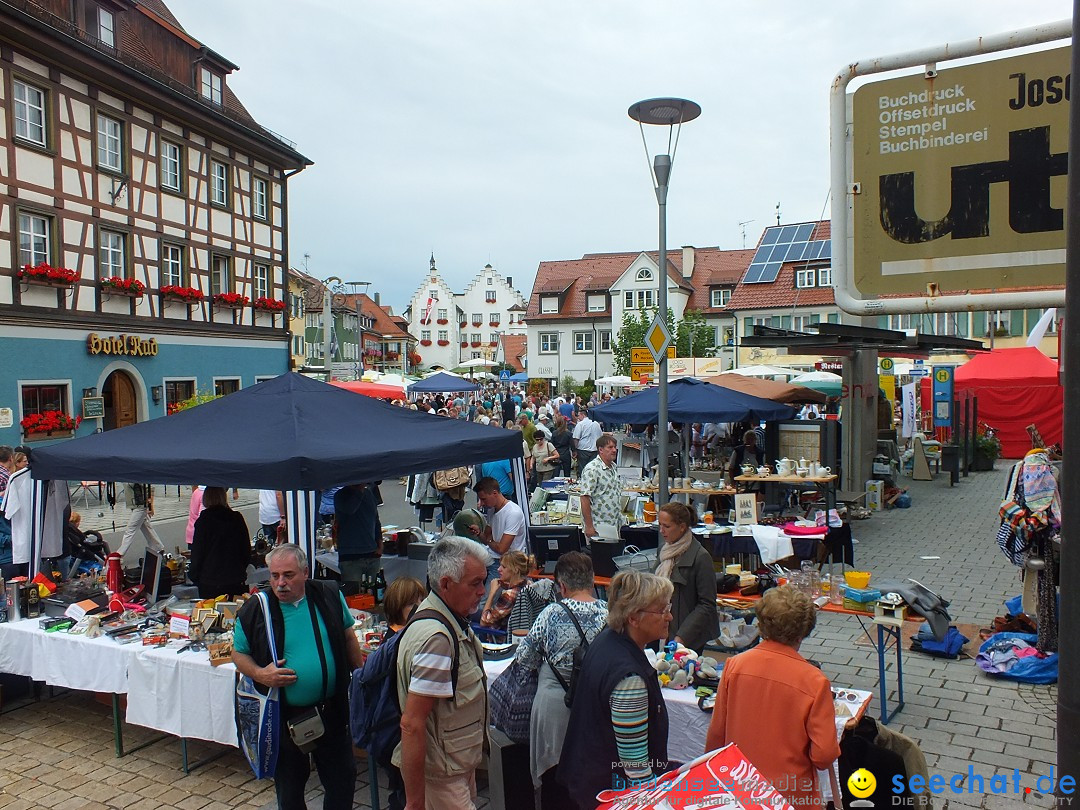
(662, 167)
(1068, 719)
(327, 326)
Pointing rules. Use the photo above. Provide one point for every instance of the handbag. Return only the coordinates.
(450, 479)
(511, 697)
(258, 713)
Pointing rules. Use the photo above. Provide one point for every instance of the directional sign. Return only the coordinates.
(641, 372)
(658, 338)
(640, 354)
(919, 371)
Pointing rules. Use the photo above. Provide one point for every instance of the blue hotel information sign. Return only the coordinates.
(943, 395)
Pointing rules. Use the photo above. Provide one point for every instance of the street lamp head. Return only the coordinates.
(664, 111)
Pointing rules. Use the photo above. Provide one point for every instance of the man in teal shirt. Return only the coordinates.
(312, 672)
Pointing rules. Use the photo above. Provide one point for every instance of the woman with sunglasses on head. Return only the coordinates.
(777, 706)
(618, 725)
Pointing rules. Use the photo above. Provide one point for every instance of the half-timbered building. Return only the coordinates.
(143, 219)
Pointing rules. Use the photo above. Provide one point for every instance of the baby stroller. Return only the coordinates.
(84, 551)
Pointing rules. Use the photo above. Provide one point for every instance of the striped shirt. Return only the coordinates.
(431, 668)
(630, 718)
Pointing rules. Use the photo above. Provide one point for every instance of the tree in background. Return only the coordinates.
(567, 385)
(694, 337)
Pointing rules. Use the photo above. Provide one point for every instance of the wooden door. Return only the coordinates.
(124, 402)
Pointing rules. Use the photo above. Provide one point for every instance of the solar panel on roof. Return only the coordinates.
(781, 244)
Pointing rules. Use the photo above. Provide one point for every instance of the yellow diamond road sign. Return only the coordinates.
(658, 338)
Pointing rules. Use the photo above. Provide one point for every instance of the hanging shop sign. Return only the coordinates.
(129, 345)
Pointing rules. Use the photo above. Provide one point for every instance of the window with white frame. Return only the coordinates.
(172, 266)
(433, 294)
(444, 334)
(260, 278)
(111, 254)
(170, 166)
(425, 334)
(478, 317)
(583, 341)
(219, 183)
(646, 299)
(298, 344)
(30, 113)
(549, 342)
(210, 85)
(220, 275)
(442, 315)
(489, 296)
(549, 304)
(476, 355)
(226, 385)
(998, 321)
(720, 298)
(35, 238)
(110, 143)
(177, 391)
(494, 318)
(476, 337)
(597, 303)
(258, 198)
(490, 281)
(604, 336)
(644, 274)
(805, 277)
(800, 323)
(824, 277)
(106, 28)
(493, 337)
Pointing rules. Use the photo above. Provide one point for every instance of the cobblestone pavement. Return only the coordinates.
(58, 753)
(169, 502)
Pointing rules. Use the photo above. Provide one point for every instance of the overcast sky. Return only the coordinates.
(495, 131)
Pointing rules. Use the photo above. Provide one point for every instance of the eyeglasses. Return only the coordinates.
(663, 612)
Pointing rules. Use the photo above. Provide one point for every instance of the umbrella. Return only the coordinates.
(824, 381)
(372, 389)
(478, 362)
(767, 389)
(763, 371)
(442, 381)
(618, 379)
(691, 400)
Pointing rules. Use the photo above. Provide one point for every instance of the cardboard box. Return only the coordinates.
(875, 491)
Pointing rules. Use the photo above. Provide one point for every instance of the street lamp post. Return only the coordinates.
(328, 324)
(669, 112)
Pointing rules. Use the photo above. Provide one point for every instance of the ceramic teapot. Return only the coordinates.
(747, 469)
(785, 466)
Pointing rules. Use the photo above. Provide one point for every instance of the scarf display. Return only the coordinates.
(670, 552)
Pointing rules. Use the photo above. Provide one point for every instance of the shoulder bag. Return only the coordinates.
(258, 712)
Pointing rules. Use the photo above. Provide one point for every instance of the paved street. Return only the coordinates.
(58, 753)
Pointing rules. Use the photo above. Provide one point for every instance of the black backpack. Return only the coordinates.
(578, 660)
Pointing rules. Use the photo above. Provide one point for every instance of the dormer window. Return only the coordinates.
(210, 85)
(644, 274)
(106, 28)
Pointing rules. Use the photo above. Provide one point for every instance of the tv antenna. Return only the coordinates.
(743, 225)
(778, 213)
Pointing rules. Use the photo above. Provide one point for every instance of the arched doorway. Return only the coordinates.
(121, 402)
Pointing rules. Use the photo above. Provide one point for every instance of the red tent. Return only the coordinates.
(1016, 388)
(370, 389)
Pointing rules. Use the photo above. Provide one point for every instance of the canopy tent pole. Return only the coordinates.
(521, 489)
(301, 513)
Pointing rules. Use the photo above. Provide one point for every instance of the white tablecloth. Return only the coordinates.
(59, 659)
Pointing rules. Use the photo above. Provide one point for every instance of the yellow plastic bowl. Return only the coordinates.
(857, 579)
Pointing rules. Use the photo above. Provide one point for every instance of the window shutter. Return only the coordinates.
(883, 321)
(834, 317)
(774, 321)
(1033, 316)
(785, 322)
(748, 327)
(815, 319)
(962, 321)
(978, 324)
(1016, 322)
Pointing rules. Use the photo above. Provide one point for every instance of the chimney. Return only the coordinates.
(687, 261)
(510, 282)
(376, 299)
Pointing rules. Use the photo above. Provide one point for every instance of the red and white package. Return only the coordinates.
(718, 780)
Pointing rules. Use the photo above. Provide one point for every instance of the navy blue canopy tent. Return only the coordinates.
(442, 383)
(290, 433)
(691, 400)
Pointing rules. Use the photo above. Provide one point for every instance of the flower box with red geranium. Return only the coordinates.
(391, 355)
(425, 342)
(231, 300)
(464, 343)
(186, 294)
(477, 323)
(131, 287)
(269, 304)
(494, 343)
(48, 422)
(48, 275)
(444, 342)
(463, 324)
(476, 344)
(493, 323)
(442, 321)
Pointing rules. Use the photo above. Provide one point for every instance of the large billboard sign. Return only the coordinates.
(959, 177)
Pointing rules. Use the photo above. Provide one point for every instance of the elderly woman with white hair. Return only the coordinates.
(618, 723)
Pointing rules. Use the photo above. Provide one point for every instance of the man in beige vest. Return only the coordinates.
(443, 723)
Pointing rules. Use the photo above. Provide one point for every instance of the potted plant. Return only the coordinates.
(46, 274)
(476, 344)
(131, 287)
(464, 344)
(463, 324)
(269, 304)
(230, 300)
(47, 422)
(425, 342)
(987, 449)
(442, 321)
(187, 294)
(444, 342)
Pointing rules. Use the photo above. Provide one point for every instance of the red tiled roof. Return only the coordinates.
(598, 271)
(782, 292)
(382, 321)
(161, 10)
(514, 347)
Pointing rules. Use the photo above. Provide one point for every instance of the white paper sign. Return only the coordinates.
(746, 509)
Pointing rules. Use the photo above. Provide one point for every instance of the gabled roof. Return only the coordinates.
(514, 348)
(595, 272)
(382, 321)
(782, 292)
